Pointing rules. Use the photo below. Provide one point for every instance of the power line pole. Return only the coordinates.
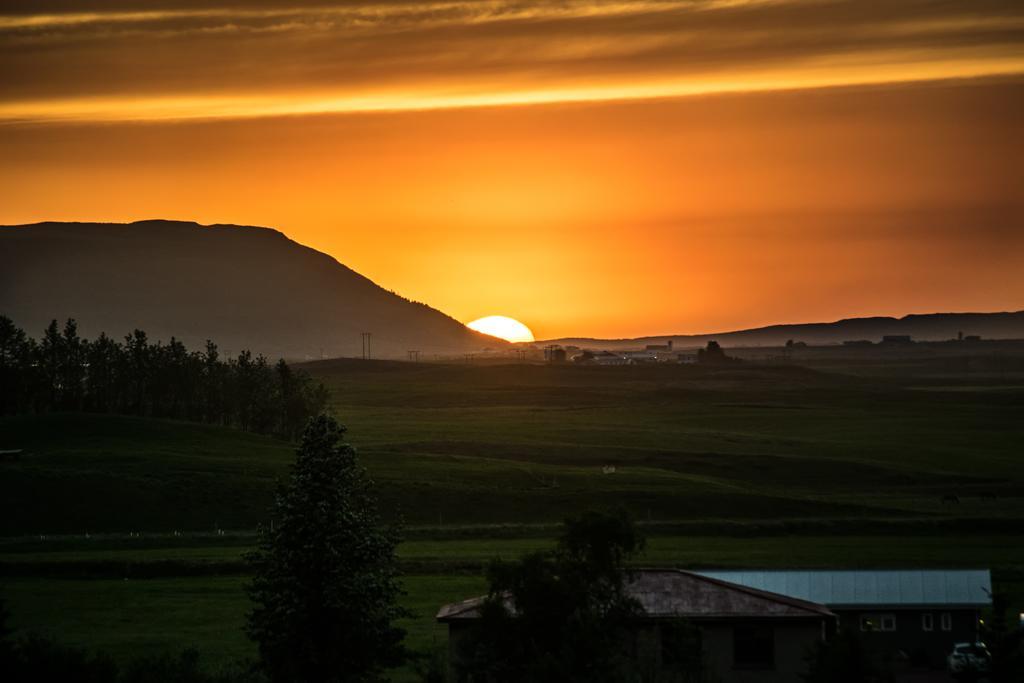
(367, 351)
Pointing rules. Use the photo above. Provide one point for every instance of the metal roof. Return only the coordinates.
(885, 587)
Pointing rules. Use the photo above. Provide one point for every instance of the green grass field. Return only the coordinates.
(732, 467)
(453, 445)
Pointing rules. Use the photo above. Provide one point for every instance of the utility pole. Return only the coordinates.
(414, 356)
(367, 351)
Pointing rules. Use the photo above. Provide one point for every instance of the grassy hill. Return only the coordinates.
(97, 473)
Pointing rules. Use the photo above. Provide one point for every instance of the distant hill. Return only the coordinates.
(929, 327)
(243, 287)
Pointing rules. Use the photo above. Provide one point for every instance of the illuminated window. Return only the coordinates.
(946, 620)
(878, 622)
(927, 622)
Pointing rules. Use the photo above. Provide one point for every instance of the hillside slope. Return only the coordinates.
(929, 327)
(243, 287)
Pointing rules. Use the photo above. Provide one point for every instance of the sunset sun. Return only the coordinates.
(502, 327)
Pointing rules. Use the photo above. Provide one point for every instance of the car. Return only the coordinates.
(969, 658)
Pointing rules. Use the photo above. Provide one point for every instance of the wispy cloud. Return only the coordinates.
(185, 60)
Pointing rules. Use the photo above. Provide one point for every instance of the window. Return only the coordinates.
(753, 647)
(946, 620)
(927, 622)
(878, 622)
(681, 647)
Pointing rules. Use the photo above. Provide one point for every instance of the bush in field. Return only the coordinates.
(35, 658)
(562, 615)
(326, 586)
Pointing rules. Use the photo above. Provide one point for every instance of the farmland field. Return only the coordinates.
(126, 534)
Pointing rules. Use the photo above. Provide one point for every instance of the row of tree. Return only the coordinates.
(65, 372)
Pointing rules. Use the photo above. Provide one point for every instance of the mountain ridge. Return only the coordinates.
(921, 326)
(241, 286)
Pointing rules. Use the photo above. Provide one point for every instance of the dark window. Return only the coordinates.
(927, 622)
(947, 621)
(681, 647)
(753, 647)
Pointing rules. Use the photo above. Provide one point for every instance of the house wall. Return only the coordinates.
(793, 643)
(921, 647)
(456, 633)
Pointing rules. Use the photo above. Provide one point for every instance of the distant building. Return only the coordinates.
(555, 354)
(686, 358)
(920, 613)
(660, 347)
(744, 634)
(858, 342)
(609, 358)
(972, 338)
(644, 356)
(897, 339)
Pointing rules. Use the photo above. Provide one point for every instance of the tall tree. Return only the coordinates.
(72, 367)
(136, 371)
(326, 581)
(101, 380)
(562, 615)
(50, 362)
(16, 367)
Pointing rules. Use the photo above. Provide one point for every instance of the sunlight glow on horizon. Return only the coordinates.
(612, 168)
(502, 327)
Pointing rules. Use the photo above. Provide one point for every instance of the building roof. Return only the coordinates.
(894, 588)
(673, 593)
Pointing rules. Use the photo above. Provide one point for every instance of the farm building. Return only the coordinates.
(916, 613)
(745, 634)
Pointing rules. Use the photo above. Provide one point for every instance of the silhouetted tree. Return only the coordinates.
(325, 587)
(17, 368)
(50, 359)
(712, 354)
(66, 372)
(1005, 641)
(845, 658)
(72, 367)
(102, 377)
(135, 362)
(561, 615)
(212, 382)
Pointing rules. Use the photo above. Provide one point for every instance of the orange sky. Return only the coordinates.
(600, 169)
